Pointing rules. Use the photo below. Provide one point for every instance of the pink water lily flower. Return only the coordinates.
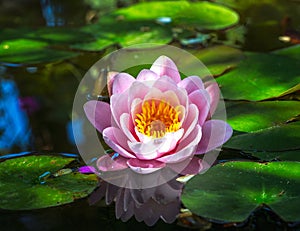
(157, 119)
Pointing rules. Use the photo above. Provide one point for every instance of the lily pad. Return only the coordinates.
(202, 15)
(260, 76)
(253, 116)
(29, 51)
(292, 51)
(50, 35)
(231, 191)
(293, 155)
(21, 189)
(219, 59)
(110, 31)
(278, 138)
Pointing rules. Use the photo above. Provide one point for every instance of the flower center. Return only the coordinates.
(157, 118)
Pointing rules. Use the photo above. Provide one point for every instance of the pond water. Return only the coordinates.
(36, 95)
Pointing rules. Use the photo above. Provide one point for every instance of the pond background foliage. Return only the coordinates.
(251, 47)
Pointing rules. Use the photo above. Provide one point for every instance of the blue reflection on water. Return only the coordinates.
(51, 12)
(14, 124)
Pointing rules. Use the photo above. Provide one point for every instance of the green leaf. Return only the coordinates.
(29, 51)
(292, 51)
(207, 16)
(260, 76)
(231, 191)
(219, 59)
(253, 116)
(202, 15)
(111, 31)
(293, 155)
(21, 189)
(49, 35)
(278, 138)
(148, 11)
(152, 34)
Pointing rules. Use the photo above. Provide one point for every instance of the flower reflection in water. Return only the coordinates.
(146, 204)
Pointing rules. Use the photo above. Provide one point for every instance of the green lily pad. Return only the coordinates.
(50, 35)
(231, 191)
(29, 51)
(253, 116)
(202, 15)
(110, 31)
(21, 189)
(278, 138)
(293, 155)
(292, 51)
(260, 76)
(219, 59)
(207, 16)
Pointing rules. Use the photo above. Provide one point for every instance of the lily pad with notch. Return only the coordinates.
(274, 139)
(231, 191)
(253, 116)
(260, 76)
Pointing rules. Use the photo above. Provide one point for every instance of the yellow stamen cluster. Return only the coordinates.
(157, 118)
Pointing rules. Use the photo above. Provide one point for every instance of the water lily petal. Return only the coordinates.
(109, 135)
(191, 84)
(185, 149)
(121, 83)
(215, 133)
(98, 113)
(138, 90)
(168, 96)
(146, 75)
(106, 163)
(165, 83)
(145, 166)
(214, 92)
(127, 126)
(110, 79)
(119, 106)
(153, 148)
(202, 101)
(191, 120)
(175, 98)
(165, 66)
